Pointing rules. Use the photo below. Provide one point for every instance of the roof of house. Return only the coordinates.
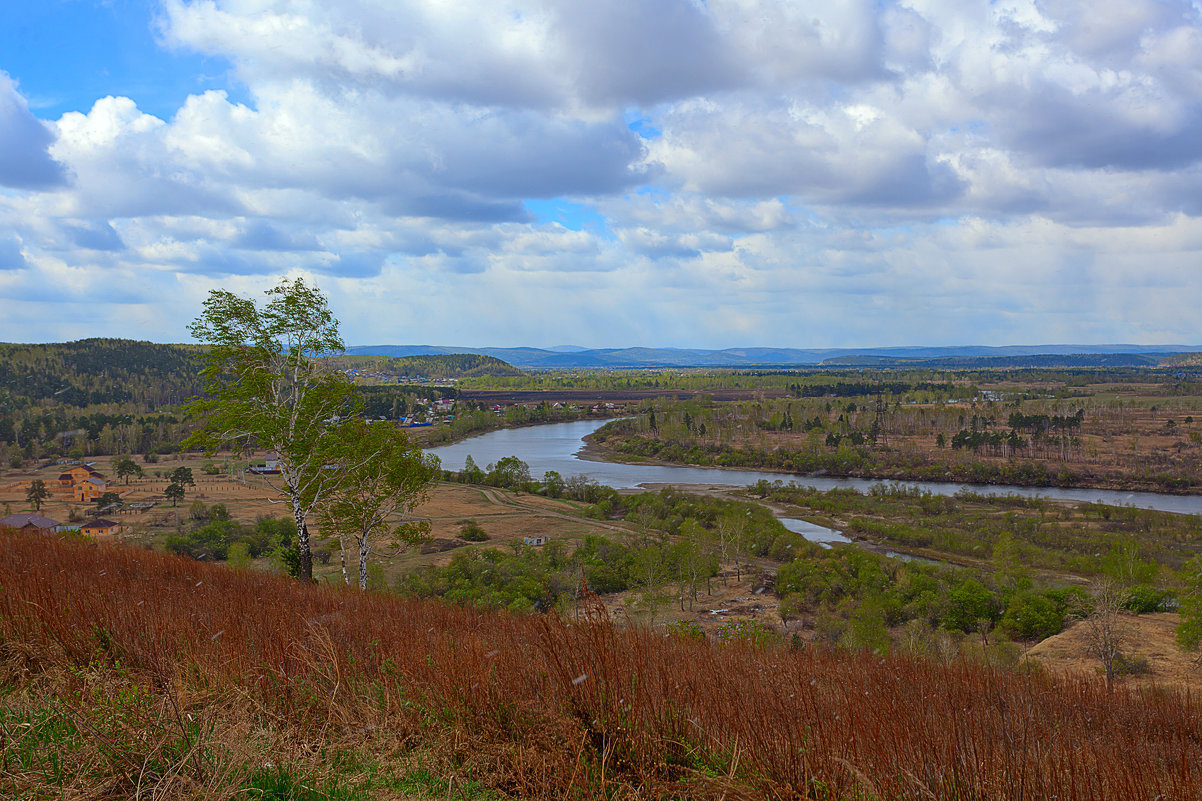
(92, 481)
(23, 519)
(100, 523)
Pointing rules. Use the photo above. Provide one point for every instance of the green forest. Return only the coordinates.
(109, 396)
(435, 367)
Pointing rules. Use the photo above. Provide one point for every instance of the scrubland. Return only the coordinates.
(132, 674)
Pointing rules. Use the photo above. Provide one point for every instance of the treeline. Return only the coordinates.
(94, 396)
(476, 418)
(851, 389)
(112, 396)
(1052, 442)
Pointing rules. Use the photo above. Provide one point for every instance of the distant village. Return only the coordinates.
(80, 483)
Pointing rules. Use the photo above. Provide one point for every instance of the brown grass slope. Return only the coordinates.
(541, 707)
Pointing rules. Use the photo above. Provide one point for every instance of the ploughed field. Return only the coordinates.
(127, 673)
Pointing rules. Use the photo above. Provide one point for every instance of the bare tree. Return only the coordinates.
(1102, 628)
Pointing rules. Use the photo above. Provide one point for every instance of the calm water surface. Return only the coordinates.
(556, 446)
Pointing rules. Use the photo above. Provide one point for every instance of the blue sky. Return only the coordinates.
(68, 53)
(654, 172)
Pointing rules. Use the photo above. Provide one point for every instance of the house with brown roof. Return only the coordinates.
(30, 523)
(80, 472)
(101, 529)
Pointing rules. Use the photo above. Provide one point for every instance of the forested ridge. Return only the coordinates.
(456, 365)
(103, 396)
(96, 371)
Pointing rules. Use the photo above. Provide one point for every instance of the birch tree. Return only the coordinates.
(384, 476)
(266, 388)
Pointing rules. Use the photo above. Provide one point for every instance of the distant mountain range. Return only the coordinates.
(966, 356)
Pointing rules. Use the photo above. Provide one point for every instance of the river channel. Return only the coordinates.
(557, 446)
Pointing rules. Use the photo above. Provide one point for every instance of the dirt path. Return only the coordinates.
(515, 502)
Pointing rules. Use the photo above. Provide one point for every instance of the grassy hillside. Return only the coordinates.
(158, 676)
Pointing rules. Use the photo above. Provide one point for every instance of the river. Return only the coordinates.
(557, 446)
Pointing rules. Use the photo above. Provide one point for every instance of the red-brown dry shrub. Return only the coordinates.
(585, 709)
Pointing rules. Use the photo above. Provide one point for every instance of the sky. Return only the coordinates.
(683, 173)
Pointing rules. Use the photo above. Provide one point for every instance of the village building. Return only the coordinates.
(30, 523)
(69, 478)
(89, 489)
(101, 529)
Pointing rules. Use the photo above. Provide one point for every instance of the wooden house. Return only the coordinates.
(89, 489)
(101, 529)
(80, 472)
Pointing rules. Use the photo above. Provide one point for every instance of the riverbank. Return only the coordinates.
(1037, 476)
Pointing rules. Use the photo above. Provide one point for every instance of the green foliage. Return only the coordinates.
(1189, 629)
(174, 493)
(748, 632)
(127, 467)
(509, 472)
(238, 555)
(472, 531)
(107, 499)
(1030, 616)
(521, 579)
(214, 540)
(383, 475)
(37, 493)
(266, 388)
(182, 476)
(98, 371)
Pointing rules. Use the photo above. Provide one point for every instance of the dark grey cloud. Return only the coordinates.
(25, 162)
(1100, 129)
(458, 207)
(646, 51)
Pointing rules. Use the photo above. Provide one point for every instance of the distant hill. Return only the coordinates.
(95, 371)
(434, 366)
(1049, 360)
(1182, 360)
(568, 357)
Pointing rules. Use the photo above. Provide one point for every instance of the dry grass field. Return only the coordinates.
(159, 677)
(505, 516)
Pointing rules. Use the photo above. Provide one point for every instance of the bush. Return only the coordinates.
(1125, 665)
(1143, 599)
(748, 632)
(472, 531)
(1032, 617)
